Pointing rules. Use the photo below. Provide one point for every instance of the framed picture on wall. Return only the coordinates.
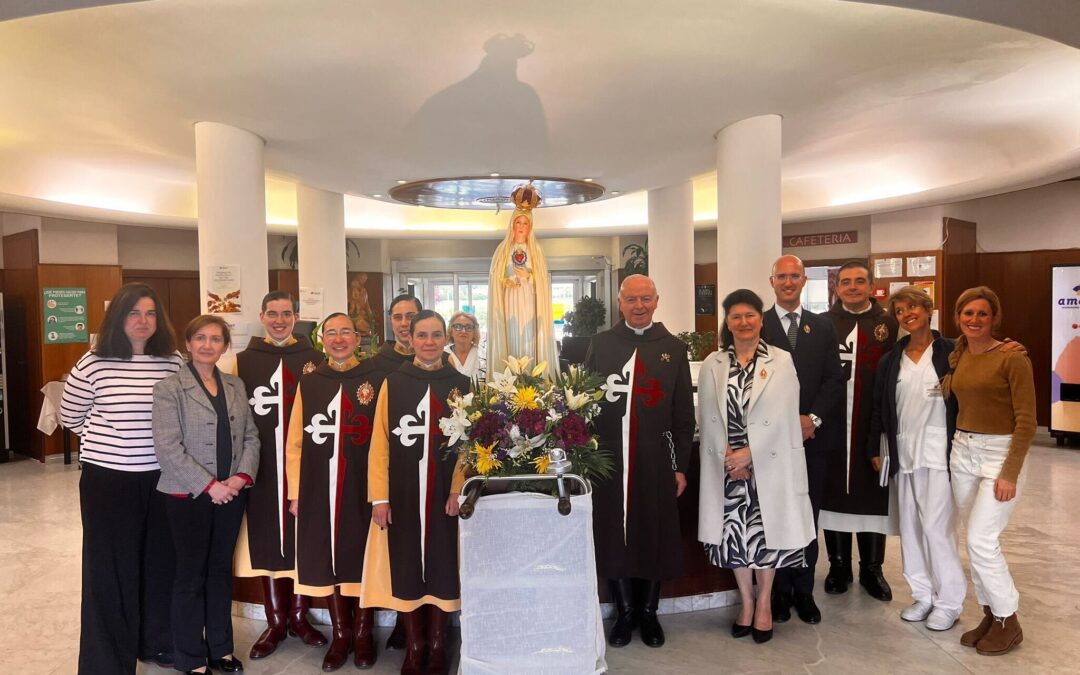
(705, 300)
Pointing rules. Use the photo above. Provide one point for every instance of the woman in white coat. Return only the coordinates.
(754, 510)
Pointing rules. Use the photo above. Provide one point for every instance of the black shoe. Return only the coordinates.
(229, 664)
(740, 631)
(622, 594)
(836, 582)
(871, 578)
(161, 660)
(781, 606)
(761, 636)
(652, 633)
(806, 608)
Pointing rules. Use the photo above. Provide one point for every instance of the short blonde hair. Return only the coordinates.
(914, 295)
(471, 319)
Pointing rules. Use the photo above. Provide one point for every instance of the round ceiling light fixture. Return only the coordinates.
(485, 192)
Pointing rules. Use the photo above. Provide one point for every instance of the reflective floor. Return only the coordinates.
(39, 594)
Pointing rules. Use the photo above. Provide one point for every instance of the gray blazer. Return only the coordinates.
(185, 432)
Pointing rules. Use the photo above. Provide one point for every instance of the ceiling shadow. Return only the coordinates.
(489, 121)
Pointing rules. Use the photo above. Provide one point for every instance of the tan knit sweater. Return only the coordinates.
(996, 393)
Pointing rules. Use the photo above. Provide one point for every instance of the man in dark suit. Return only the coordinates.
(811, 339)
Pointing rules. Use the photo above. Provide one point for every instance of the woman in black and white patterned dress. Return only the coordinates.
(755, 510)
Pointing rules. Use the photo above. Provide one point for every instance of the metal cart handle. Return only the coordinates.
(475, 485)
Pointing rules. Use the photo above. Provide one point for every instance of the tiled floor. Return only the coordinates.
(39, 594)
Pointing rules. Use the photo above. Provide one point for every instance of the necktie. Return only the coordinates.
(792, 328)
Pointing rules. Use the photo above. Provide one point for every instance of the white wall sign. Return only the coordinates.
(223, 289)
(311, 304)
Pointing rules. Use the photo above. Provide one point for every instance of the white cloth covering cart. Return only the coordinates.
(528, 584)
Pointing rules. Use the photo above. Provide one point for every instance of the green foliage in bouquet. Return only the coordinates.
(507, 426)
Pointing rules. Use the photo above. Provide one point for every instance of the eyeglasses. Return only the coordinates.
(344, 332)
(274, 316)
(464, 327)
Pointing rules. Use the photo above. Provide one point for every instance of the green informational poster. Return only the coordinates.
(64, 313)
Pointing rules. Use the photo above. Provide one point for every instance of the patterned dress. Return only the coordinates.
(743, 542)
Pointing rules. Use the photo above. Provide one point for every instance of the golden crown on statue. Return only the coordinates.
(526, 197)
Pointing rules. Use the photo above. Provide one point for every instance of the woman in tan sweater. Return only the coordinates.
(995, 394)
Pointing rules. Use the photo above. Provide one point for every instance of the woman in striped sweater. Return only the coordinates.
(127, 569)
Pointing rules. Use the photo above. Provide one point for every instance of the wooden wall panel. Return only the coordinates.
(1022, 281)
(706, 274)
(22, 323)
(959, 267)
(179, 291)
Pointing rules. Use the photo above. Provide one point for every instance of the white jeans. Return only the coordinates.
(975, 464)
(928, 539)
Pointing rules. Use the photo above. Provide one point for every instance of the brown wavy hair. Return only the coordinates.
(113, 343)
(965, 299)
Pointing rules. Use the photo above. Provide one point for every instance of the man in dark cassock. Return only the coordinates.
(270, 368)
(854, 499)
(395, 352)
(414, 483)
(327, 456)
(811, 340)
(647, 422)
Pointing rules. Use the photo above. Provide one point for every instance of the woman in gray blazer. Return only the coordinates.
(208, 447)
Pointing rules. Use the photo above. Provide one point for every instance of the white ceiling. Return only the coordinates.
(882, 106)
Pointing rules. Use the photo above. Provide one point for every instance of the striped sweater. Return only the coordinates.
(108, 403)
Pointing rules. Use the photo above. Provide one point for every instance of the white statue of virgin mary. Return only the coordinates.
(519, 293)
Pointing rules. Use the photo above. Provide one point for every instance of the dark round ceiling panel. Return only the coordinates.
(487, 192)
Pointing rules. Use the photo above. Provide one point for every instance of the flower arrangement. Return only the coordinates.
(508, 425)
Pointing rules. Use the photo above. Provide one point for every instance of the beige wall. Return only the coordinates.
(157, 248)
(76, 242)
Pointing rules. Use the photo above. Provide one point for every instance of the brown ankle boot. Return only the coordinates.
(415, 641)
(972, 637)
(298, 622)
(438, 663)
(341, 642)
(1004, 634)
(276, 602)
(363, 640)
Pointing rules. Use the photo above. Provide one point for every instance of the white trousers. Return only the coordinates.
(928, 539)
(975, 464)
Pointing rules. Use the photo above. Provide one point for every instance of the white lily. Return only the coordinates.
(462, 402)
(517, 365)
(575, 401)
(539, 369)
(503, 382)
(455, 426)
(523, 443)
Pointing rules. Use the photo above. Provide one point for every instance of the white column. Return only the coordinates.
(748, 232)
(320, 238)
(232, 218)
(671, 254)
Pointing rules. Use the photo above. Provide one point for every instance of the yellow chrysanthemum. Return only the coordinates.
(485, 459)
(541, 463)
(525, 398)
(475, 416)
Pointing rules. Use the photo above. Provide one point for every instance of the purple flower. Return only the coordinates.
(572, 431)
(487, 429)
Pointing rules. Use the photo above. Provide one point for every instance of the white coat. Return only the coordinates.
(776, 450)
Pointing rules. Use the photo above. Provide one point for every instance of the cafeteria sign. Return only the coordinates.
(64, 314)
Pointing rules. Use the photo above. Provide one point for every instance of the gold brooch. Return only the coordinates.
(665, 357)
(806, 329)
(881, 332)
(364, 393)
(309, 367)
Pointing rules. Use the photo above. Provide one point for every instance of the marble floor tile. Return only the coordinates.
(40, 577)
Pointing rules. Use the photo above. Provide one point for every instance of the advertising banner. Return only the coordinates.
(1065, 349)
(63, 311)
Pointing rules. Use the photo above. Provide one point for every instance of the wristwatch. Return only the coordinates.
(815, 420)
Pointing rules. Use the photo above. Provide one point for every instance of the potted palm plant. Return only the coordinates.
(581, 324)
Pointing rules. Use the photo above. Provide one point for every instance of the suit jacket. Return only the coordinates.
(822, 388)
(776, 448)
(185, 432)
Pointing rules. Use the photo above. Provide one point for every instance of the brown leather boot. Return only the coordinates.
(276, 603)
(415, 641)
(298, 622)
(1004, 634)
(972, 637)
(437, 663)
(363, 641)
(341, 641)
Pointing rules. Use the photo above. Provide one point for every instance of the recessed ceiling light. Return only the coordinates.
(588, 180)
(494, 174)
(376, 196)
(402, 182)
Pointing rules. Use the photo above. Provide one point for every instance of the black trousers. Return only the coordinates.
(801, 579)
(204, 537)
(127, 570)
